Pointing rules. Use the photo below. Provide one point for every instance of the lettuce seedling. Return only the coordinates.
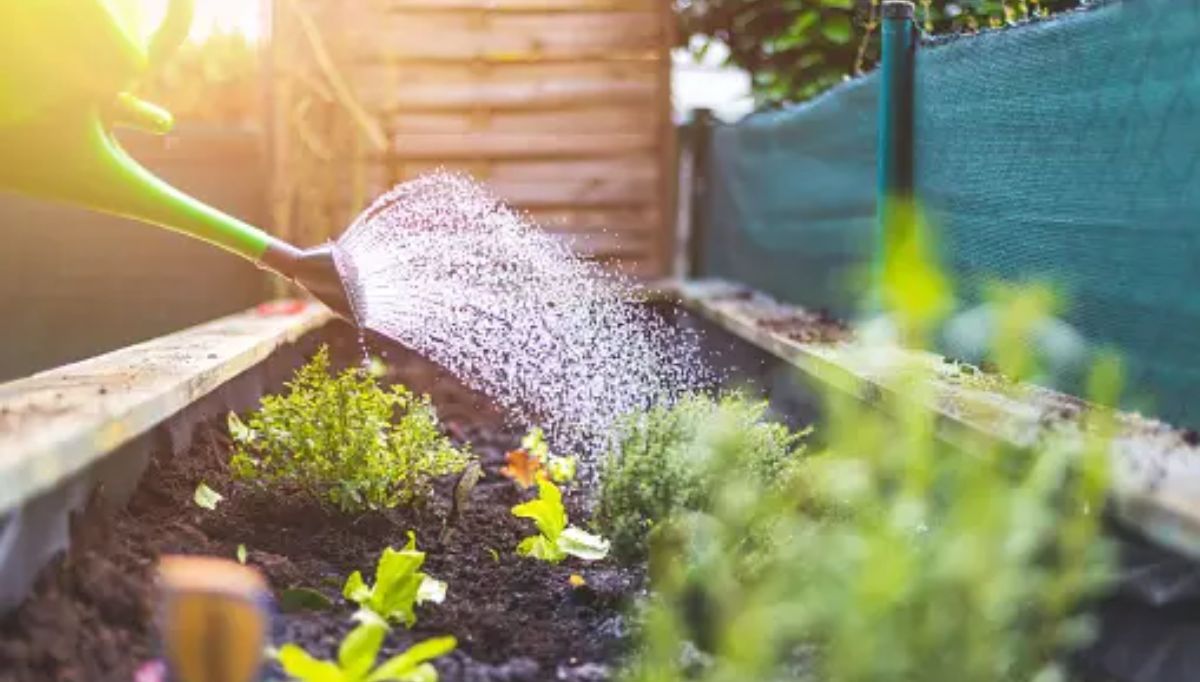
(356, 659)
(556, 540)
(399, 585)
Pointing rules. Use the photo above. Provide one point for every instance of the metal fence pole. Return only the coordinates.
(693, 199)
(895, 152)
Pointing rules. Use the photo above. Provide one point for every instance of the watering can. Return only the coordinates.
(65, 70)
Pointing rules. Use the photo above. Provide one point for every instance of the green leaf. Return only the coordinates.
(356, 654)
(205, 497)
(838, 4)
(355, 589)
(295, 599)
(241, 554)
(538, 547)
(837, 29)
(547, 511)
(411, 665)
(582, 545)
(299, 665)
(399, 585)
(238, 430)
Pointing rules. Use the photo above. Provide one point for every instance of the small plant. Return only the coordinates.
(657, 467)
(399, 585)
(891, 554)
(556, 540)
(356, 659)
(533, 458)
(206, 498)
(346, 440)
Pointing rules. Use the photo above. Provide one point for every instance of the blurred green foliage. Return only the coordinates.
(796, 49)
(345, 439)
(655, 469)
(889, 555)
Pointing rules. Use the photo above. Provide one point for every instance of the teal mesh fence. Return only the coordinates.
(1065, 151)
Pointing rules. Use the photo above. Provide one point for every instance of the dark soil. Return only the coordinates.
(90, 618)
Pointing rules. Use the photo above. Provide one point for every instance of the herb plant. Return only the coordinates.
(399, 585)
(345, 439)
(656, 469)
(356, 659)
(555, 539)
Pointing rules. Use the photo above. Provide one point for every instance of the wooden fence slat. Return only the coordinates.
(521, 145)
(398, 36)
(443, 87)
(598, 118)
(635, 167)
(623, 219)
(500, 6)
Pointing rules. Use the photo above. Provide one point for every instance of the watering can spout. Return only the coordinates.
(64, 68)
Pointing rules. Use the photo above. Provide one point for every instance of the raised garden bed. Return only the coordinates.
(91, 613)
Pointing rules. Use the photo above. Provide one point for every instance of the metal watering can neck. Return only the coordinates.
(65, 70)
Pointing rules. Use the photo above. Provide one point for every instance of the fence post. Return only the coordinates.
(895, 150)
(693, 204)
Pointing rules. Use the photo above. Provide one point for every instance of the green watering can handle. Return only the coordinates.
(64, 150)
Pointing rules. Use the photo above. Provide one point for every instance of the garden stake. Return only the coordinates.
(65, 70)
(214, 619)
(895, 144)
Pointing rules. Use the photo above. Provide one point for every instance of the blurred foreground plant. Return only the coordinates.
(889, 555)
(345, 439)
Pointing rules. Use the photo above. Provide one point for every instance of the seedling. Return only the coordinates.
(399, 585)
(556, 540)
(356, 659)
(533, 459)
(346, 440)
(206, 498)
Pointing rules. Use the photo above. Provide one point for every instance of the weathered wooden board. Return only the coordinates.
(56, 423)
(504, 86)
(500, 6)
(434, 36)
(528, 145)
(597, 117)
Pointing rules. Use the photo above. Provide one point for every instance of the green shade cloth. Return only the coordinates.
(1065, 151)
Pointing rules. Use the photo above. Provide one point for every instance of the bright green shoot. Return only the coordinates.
(399, 585)
(556, 540)
(356, 659)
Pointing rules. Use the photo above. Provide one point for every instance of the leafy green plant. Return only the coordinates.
(399, 585)
(795, 50)
(890, 555)
(345, 439)
(556, 540)
(656, 469)
(356, 659)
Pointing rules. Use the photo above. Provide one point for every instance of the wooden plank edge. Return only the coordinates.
(1164, 507)
(56, 423)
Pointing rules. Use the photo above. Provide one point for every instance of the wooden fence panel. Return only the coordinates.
(561, 107)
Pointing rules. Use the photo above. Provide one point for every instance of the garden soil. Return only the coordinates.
(91, 616)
